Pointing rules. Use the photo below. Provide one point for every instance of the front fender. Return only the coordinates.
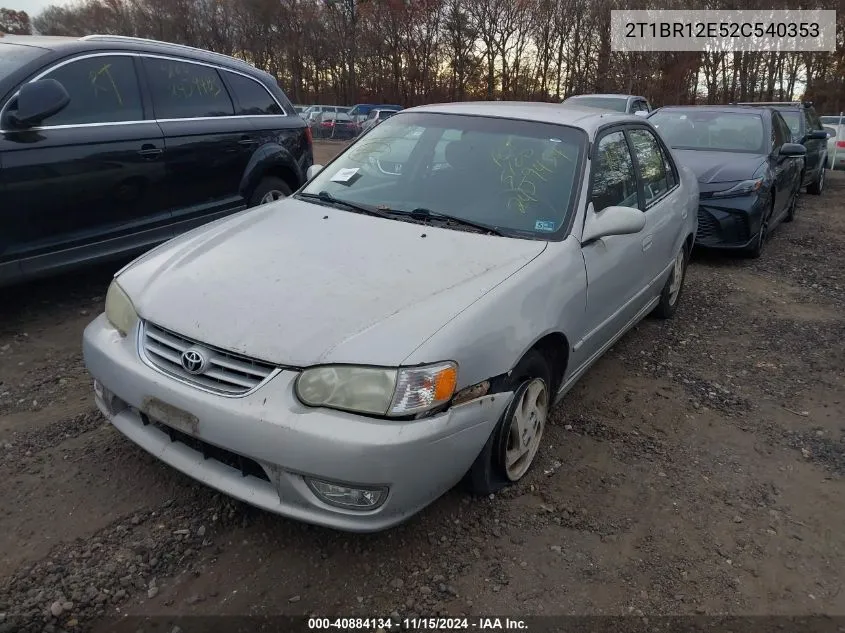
(490, 336)
(270, 157)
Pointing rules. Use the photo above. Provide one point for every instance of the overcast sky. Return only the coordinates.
(33, 7)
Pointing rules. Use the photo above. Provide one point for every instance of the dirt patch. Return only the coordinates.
(696, 469)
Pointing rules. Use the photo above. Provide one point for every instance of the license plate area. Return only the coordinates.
(171, 416)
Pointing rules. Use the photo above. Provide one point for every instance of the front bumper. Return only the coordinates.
(271, 443)
(721, 225)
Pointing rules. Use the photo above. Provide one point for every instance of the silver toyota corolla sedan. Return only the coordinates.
(407, 319)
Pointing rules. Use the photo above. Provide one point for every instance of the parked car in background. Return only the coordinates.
(109, 145)
(806, 128)
(299, 109)
(347, 355)
(335, 125)
(835, 125)
(375, 117)
(312, 112)
(631, 104)
(360, 111)
(749, 170)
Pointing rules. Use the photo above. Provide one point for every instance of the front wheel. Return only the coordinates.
(512, 446)
(671, 293)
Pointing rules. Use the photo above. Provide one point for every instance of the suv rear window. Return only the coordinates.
(252, 97)
(618, 104)
(793, 120)
(13, 56)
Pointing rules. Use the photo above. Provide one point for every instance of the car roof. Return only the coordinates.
(576, 116)
(606, 95)
(736, 109)
(95, 43)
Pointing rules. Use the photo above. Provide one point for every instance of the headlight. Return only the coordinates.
(743, 188)
(119, 309)
(379, 391)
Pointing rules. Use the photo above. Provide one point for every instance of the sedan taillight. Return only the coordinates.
(840, 144)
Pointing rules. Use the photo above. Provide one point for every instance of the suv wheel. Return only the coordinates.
(817, 187)
(268, 190)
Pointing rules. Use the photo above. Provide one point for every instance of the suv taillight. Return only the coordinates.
(308, 135)
(840, 144)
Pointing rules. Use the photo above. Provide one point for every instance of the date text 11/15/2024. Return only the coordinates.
(416, 624)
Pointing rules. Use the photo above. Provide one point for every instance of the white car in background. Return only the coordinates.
(835, 143)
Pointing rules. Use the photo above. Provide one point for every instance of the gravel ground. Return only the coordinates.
(697, 468)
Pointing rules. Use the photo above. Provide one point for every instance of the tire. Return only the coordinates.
(533, 398)
(756, 249)
(670, 296)
(817, 187)
(269, 186)
(793, 208)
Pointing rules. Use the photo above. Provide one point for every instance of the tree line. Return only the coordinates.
(422, 51)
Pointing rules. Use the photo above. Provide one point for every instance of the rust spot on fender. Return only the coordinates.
(171, 416)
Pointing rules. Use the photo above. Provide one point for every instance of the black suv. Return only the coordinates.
(807, 129)
(110, 145)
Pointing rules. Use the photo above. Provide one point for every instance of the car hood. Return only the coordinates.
(713, 167)
(296, 284)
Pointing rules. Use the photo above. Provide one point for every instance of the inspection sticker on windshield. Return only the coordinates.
(544, 225)
(344, 175)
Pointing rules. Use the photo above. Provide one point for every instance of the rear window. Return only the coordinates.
(252, 97)
(603, 103)
(14, 56)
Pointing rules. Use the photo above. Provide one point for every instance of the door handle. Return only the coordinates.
(150, 151)
(647, 242)
(247, 140)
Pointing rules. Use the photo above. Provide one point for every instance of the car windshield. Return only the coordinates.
(604, 103)
(339, 116)
(520, 177)
(711, 131)
(832, 120)
(793, 120)
(13, 56)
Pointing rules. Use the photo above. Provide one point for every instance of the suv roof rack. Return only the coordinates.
(143, 40)
(806, 104)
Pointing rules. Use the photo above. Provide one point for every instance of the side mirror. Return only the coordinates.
(313, 171)
(792, 149)
(819, 135)
(37, 101)
(611, 221)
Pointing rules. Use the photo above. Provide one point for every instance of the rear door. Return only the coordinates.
(208, 146)
(663, 204)
(89, 175)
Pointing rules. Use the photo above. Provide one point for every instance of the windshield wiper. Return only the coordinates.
(428, 214)
(326, 198)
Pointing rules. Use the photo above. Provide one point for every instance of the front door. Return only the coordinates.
(88, 174)
(616, 277)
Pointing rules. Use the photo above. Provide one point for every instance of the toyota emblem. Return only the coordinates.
(194, 361)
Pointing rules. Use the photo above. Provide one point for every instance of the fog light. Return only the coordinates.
(346, 497)
(113, 404)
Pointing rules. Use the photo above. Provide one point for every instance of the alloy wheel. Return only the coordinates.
(526, 429)
(272, 196)
(677, 277)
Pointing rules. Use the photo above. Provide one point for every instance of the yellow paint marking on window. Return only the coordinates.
(111, 87)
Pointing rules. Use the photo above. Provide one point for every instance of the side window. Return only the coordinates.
(809, 121)
(252, 97)
(669, 166)
(102, 90)
(651, 163)
(181, 90)
(614, 181)
(640, 106)
(779, 135)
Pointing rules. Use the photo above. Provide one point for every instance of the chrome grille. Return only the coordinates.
(225, 373)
